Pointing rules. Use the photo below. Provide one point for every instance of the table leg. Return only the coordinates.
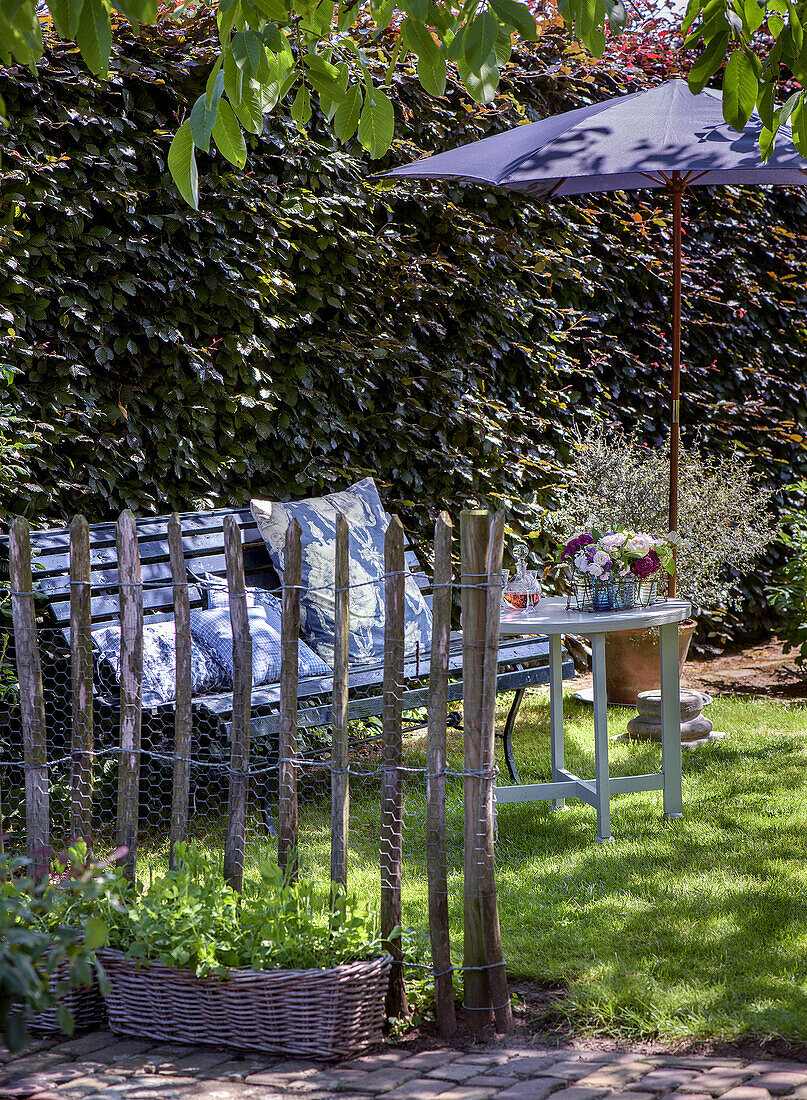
(671, 722)
(556, 713)
(601, 738)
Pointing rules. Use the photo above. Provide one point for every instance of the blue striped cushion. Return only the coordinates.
(212, 629)
(218, 595)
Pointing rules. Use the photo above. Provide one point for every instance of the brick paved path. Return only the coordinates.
(102, 1066)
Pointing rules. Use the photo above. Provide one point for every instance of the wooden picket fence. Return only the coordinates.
(486, 996)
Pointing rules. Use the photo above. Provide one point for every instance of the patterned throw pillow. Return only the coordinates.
(213, 630)
(367, 524)
(159, 663)
(218, 595)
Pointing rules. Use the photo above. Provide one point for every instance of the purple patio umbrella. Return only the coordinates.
(665, 138)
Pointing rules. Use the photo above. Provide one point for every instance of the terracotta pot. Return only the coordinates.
(632, 660)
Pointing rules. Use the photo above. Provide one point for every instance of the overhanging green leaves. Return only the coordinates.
(480, 41)
(347, 114)
(377, 123)
(518, 16)
(228, 137)
(182, 165)
(431, 65)
(94, 35)
(202, 120)
(66, 15)
(740, 89)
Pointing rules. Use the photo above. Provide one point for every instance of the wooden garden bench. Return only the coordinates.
(522, 662)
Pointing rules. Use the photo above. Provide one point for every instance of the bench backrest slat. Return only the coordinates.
(203, 543)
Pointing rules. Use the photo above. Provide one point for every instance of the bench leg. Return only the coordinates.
(507, 734)
(269, 812)
(271, 793)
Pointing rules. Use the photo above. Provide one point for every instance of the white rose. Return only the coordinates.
(595, 570)
(601, 558)
(640, 544)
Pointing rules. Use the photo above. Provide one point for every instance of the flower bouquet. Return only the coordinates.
(616, 570)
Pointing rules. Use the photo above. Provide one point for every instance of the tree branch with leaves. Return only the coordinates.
(345, 54)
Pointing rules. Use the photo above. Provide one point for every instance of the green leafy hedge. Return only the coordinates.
(307, 327)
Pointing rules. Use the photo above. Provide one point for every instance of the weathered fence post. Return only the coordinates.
(391, 847)
(235, 843)
(287, 840)
(340, 787)
(486, 987)
(81, 678)
(474, 531)
(32, 701)
(436, 779)
(183, 715)
(497, 976)
(131, 686)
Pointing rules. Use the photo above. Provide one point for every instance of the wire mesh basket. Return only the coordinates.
(587, 593)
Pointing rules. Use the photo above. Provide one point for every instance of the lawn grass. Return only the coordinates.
(687, 930)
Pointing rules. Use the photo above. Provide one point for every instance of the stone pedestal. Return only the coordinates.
(695, 729)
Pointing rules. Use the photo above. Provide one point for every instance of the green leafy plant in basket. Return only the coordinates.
(190, 918)
(50, 929)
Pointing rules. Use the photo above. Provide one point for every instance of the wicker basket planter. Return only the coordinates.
(85, 1003)
(320, 1013)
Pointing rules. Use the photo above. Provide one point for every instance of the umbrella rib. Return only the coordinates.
(551, 194)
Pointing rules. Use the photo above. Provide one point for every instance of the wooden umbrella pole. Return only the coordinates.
(676, 188)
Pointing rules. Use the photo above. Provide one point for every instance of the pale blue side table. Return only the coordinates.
(551, 618)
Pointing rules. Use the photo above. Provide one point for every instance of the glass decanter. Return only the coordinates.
(523, 592)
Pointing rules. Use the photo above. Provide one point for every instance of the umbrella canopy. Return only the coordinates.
(663, 138)
(623, 144)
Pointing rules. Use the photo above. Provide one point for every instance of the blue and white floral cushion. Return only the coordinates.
(367, 524)
(159, 663)
(212, 629)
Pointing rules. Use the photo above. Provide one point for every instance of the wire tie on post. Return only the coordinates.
(487, 1008)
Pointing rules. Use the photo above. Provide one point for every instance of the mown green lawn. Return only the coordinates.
(688, 930)
(695, 929)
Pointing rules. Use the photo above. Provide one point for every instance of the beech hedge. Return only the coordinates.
(308, 326)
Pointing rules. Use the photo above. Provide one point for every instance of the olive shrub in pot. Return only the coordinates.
(616, 481)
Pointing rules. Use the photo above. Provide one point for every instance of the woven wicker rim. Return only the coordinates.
(359, 966)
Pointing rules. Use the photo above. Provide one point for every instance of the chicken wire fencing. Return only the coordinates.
(348, 779)
(83, 784)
